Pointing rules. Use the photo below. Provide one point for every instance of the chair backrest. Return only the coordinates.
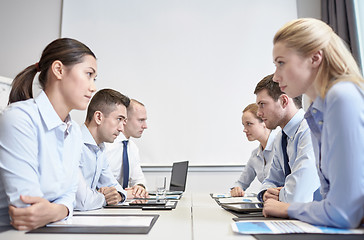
(5, 86)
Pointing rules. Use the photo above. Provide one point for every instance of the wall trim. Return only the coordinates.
(196, 168)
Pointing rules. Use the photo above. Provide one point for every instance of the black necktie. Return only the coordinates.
(287, 169)
(125, 164)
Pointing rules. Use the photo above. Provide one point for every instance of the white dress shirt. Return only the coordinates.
(39, 155)
(94, 174)
(258, 164)
(303, 181)
(114, 155)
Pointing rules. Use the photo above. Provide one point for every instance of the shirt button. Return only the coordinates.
(314, 111)
(320, 122)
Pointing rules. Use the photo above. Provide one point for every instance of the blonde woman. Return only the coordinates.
(310, 58)
(261, 157)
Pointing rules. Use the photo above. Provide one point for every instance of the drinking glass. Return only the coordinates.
(161, 188)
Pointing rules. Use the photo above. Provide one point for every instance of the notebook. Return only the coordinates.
(178, 179)
(101, 224)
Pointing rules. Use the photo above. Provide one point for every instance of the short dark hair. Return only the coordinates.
(105, 101)
(274, 91)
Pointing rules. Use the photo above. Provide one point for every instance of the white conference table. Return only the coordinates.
(210, 221)
(197, 216)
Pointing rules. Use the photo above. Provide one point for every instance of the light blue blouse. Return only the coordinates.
(39, 155)
(94, 174)
(300, 185)
(337, 125)
(258, 164)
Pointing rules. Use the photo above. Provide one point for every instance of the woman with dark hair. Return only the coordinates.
(40, 146)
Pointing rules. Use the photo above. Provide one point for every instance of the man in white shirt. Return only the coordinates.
(106, 116)
(115, 152)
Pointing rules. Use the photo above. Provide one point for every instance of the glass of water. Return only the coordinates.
(161, 188)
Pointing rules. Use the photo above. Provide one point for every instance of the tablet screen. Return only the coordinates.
(148, 202)
(245, 207)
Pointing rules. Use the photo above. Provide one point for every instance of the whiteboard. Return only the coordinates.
(193, 63)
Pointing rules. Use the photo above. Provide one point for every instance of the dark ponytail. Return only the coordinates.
(68, 51)
(22, 85)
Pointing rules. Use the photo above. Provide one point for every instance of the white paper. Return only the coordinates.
(227, 195)
(286, 226)
(104, 221)
(221, 195)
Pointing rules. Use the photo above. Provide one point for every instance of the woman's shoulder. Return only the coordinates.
(345, 91)
(343, 99)
(27, 108)
(22, 113)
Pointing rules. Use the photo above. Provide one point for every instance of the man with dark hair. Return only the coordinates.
(106, 117)
(293, 175)
(123, 154)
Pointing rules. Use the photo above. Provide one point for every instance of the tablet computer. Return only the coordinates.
(244, 207)
(148, 203)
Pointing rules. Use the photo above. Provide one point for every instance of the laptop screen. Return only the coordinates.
(179, 176)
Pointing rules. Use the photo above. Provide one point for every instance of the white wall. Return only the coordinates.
(27, 26)
(309, 8)
(194, 64)
(206, 179)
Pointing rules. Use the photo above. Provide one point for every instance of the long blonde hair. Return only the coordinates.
(307, 36)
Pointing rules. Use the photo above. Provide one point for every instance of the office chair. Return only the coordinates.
(5, 86)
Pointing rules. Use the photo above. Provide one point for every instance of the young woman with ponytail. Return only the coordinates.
(40, 146)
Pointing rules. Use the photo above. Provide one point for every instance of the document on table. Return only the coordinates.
(104, 221)
(221, 195)
(228, 195)
(233, 200)
(168, 197)
(286, 226)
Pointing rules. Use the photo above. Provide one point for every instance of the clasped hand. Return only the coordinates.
(39, 213)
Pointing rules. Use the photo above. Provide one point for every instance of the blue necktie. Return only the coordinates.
(125, 164)
(287, 169)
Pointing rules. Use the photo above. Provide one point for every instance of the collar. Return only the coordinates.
(316, 107)
(314, 117)
(270, 145)
(121, 137)
(292, 126)
(49, 115)
(89, 140)
(270, 141)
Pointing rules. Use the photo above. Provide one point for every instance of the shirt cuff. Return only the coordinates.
(260, 195)
(123, 197)
(142, 185)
